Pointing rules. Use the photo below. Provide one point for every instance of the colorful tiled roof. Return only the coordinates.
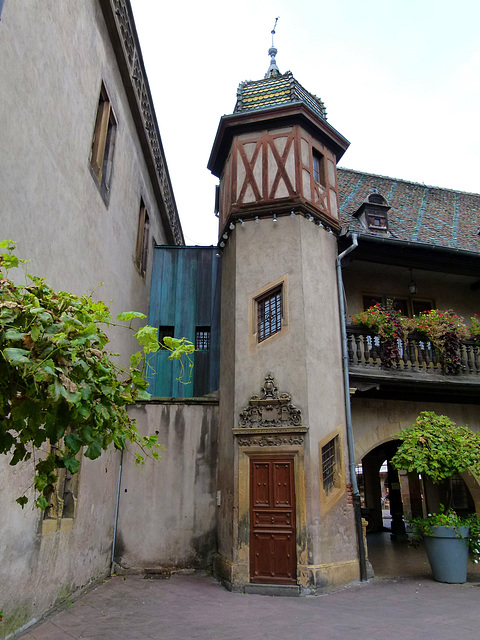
(274, 91)
(419, 213)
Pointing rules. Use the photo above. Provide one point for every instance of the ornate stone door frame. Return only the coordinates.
(270, 426)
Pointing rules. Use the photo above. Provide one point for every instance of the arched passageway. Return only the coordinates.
(389, 497)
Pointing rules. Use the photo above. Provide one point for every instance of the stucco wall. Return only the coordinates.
(378, 421)
(55, 56)
(167, 509)
(448, 291)
(305, 359)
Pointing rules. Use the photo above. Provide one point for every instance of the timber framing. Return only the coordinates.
(276, 117)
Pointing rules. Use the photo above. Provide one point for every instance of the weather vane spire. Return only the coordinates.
(273, 70)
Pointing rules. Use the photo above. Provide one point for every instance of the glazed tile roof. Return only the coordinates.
(274, 91)
(419, 213)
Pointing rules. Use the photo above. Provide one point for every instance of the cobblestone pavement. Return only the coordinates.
(197, 607)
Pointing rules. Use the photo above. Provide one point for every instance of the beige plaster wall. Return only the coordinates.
(305, 360)
(378, 421)
(446, 290)
(54, 57)
(167, 509)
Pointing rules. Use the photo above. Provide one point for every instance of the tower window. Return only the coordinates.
(318, 167)
(202, 338)
(269, 313)
(101, 155)
(141, 252)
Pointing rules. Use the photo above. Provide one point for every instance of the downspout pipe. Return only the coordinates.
(348, 410)
(115, 522)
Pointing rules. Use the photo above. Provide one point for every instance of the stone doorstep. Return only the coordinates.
(285, 590)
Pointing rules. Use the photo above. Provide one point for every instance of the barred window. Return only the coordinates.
(269, 313)
(329, 464)
(202, 338)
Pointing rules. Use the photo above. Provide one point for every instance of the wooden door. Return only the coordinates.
(273, 558)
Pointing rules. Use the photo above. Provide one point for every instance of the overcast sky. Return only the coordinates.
(400, 80)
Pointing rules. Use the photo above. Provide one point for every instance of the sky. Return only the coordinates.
(400, 80)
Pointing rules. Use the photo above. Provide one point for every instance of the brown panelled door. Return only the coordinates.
(273, 557)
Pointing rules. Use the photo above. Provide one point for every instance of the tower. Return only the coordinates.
(284, 514)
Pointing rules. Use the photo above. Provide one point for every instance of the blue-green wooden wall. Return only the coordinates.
(185, 293)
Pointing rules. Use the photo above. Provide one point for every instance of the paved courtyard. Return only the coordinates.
(196, 606)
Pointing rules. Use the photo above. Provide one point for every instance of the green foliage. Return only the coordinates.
(58, 384)
(422, 527)
(438, 448)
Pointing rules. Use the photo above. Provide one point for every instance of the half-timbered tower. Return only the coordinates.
(284, 515)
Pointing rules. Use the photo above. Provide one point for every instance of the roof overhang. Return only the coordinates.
(415, 255)
(283, 115)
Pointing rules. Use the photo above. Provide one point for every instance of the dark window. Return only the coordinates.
(399, 304)
(419, 306)
(371, 301)
(165, 332)
(318, 167)
(405, 306)
(141, 252)
(377, 220)
(103, 142)
(202, 338)
(269, 313)
(329, 464)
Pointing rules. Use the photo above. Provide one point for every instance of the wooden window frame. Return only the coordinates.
(143, 231)
(103, 143)
(318, 167)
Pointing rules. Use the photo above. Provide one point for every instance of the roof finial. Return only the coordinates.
(272, 52)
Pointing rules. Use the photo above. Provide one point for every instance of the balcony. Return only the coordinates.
(419, 368)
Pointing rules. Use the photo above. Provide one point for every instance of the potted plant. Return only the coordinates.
(438, 449)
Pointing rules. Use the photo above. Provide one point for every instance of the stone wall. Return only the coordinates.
(167, 509)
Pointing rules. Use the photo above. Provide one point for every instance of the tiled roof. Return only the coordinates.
(274, 91)
(419, 213)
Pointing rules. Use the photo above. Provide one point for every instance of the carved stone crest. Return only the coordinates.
(271, 410)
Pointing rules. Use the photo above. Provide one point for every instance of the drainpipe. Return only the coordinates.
(348, 411)
(115, 523)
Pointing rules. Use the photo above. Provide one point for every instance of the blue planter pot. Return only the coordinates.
(447, 553)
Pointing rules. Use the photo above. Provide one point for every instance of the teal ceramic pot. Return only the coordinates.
(447, 553)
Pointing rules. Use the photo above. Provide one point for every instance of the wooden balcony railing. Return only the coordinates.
(416, 354)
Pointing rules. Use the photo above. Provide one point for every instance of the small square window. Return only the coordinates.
(165, 332)
(377, 221)
(329, 464)
(269, 313)
(202, 338)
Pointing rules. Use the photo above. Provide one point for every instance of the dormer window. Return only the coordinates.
(373, 213)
